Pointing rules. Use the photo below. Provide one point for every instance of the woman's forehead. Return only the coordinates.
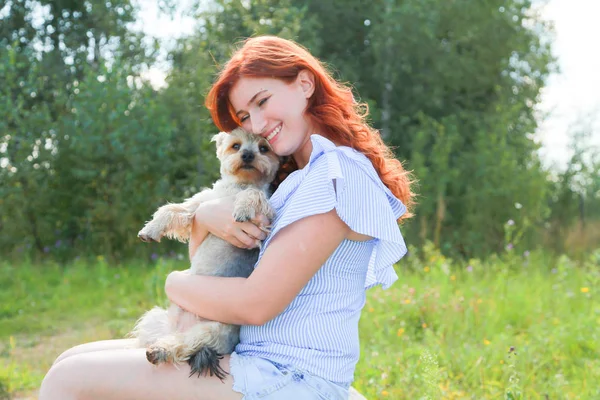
(246, 88)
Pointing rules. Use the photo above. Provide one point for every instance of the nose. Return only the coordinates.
(258, 123)
(247, 156)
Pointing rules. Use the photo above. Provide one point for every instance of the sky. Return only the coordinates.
(571, 97)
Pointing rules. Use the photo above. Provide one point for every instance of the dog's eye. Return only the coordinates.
(263, 149)
(236, 146)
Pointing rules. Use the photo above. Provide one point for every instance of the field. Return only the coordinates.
(517, 326)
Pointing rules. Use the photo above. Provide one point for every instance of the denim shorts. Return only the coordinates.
(258, 378)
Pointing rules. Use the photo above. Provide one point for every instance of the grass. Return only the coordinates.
(510, 327)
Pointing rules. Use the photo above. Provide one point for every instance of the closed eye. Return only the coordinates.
(263, 101)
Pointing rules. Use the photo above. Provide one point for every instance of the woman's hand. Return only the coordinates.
(216, 217)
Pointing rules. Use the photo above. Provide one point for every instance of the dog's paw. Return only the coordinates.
(149, 235)
(251, 202)
(206, 361)
(243, 213)
(157, 355)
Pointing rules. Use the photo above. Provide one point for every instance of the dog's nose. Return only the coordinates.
(247, 156)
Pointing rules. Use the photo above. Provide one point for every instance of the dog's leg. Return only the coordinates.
(173, 220)
(202, 346)
(207, 351)
(249, 203)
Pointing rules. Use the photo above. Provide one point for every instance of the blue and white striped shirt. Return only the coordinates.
(318, 331)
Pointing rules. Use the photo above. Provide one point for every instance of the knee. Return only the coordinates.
(67, 353)
(56, 383)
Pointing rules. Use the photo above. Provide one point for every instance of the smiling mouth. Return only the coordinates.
(274, 133)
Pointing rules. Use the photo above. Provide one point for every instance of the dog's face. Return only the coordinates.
(245, 157)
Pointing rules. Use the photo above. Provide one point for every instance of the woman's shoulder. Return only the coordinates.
(352, 170)
(340, 160)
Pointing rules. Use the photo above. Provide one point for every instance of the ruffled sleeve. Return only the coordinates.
(344, 179)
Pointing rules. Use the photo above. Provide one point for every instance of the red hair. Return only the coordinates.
(331, 108)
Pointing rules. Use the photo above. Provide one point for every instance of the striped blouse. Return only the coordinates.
(318, 331)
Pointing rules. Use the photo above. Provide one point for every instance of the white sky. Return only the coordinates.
(571, 97)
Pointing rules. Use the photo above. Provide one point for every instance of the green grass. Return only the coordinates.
(443, 331)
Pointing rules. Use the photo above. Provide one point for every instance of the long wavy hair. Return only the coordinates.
(331, 108)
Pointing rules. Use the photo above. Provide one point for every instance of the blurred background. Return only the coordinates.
(493, 104)
(102, 115)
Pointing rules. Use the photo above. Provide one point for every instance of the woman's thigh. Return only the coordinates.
(127, 374)
(117, 344)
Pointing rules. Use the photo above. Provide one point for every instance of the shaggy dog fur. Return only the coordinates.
(248, 166)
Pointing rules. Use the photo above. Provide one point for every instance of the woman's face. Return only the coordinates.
(274, 109)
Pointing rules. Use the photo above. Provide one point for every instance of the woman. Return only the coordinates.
(334, 236)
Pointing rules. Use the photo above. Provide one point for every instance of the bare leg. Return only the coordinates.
(118, 344)
(127, 375)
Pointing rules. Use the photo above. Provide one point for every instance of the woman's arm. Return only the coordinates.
(292, 258)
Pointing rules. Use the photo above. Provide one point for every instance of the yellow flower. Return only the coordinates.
(453, 278)
(486, 342)
(384, 393)
(479, 301)
(424, 325)
(407, 301)
(400, 332)
(585, 289)
(426, 269)
(371, 309)
(501, 361)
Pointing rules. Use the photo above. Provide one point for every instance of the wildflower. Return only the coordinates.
(510, 222)
(479, 301)
(400, 332)
(585, 289)
(518, 206)
(46, 249)
(554, 270)
(154, 256)
(424, 325)
(509, 246)
(453, 278)
(486, 342)
(526, 254)
(470, 268)
(384, 392)
(407, 301)
(58, 243)
(501, 361)
(371, 309)
(426, 269)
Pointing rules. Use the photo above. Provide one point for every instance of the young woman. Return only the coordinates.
(334, 236)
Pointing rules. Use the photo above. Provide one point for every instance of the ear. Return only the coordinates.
(306, 80)
(219, 138)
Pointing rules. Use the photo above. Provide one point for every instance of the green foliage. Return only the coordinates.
(446, 329)
(452, 85)
(88, 150)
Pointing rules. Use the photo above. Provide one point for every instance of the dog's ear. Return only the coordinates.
(219, 138)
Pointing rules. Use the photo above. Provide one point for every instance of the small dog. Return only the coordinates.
(248, 166)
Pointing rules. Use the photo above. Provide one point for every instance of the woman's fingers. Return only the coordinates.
(253, 231)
